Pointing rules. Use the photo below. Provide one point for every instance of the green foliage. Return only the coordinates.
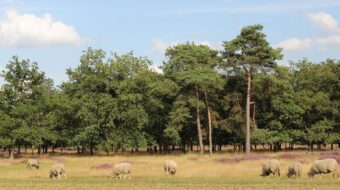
(113, 101)
(251, 48)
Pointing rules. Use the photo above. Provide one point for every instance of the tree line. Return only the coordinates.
(239, 96)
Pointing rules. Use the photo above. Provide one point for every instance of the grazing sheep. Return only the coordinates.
(271, 166)
(294, 168)
(170, 167)
(121, 171)
(32, 163)
(57, 171)
(324, 167)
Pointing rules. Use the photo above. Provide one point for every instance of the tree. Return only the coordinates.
(110, 96)
(316, 93)
(250, 50)
(190, 65)
(208, 80)
(22, 100)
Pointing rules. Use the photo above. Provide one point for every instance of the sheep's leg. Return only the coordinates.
(112, 175)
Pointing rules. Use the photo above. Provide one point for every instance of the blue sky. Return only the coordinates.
(54, 33)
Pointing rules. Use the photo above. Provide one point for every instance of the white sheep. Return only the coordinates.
(170, 167)
(121, 171)
(32, 163)
(271, 167)
(295, 169)
(57, 171)
(323, 167)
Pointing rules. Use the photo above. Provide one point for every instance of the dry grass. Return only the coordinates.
(207, 172)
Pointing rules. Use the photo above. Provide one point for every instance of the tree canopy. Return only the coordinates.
(112, 102)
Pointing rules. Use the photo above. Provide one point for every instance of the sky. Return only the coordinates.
(54, 33)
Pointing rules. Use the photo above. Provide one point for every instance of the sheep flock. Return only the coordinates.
(123, 170)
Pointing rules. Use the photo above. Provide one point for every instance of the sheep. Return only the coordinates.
(271, 166)
(294, 168)
(121, 171)
(32, 163)
(170, 167)
(323, 167)
(57, 171)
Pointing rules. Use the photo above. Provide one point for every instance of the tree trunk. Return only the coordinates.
(248, 114)
(91, 146)
(198, 122)
(12, 149)
(45, 149)
(83, 149)
(209, 122)
(39, 149)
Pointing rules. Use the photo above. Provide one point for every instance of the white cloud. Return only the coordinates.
(28, 30)
(206, 43)
(295, 44)
(324, 22)
(329, 36)
(156, 68)
(160, 46)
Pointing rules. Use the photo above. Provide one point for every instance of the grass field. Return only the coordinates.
(220, 171)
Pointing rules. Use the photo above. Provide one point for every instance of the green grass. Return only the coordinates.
(193, 173)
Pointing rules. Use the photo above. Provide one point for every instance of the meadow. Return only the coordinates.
(219, 171)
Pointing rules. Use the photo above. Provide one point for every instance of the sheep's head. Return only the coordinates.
(173, 170)
(52, 174)
(264, 174)
(289, 174)
(310, 173)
